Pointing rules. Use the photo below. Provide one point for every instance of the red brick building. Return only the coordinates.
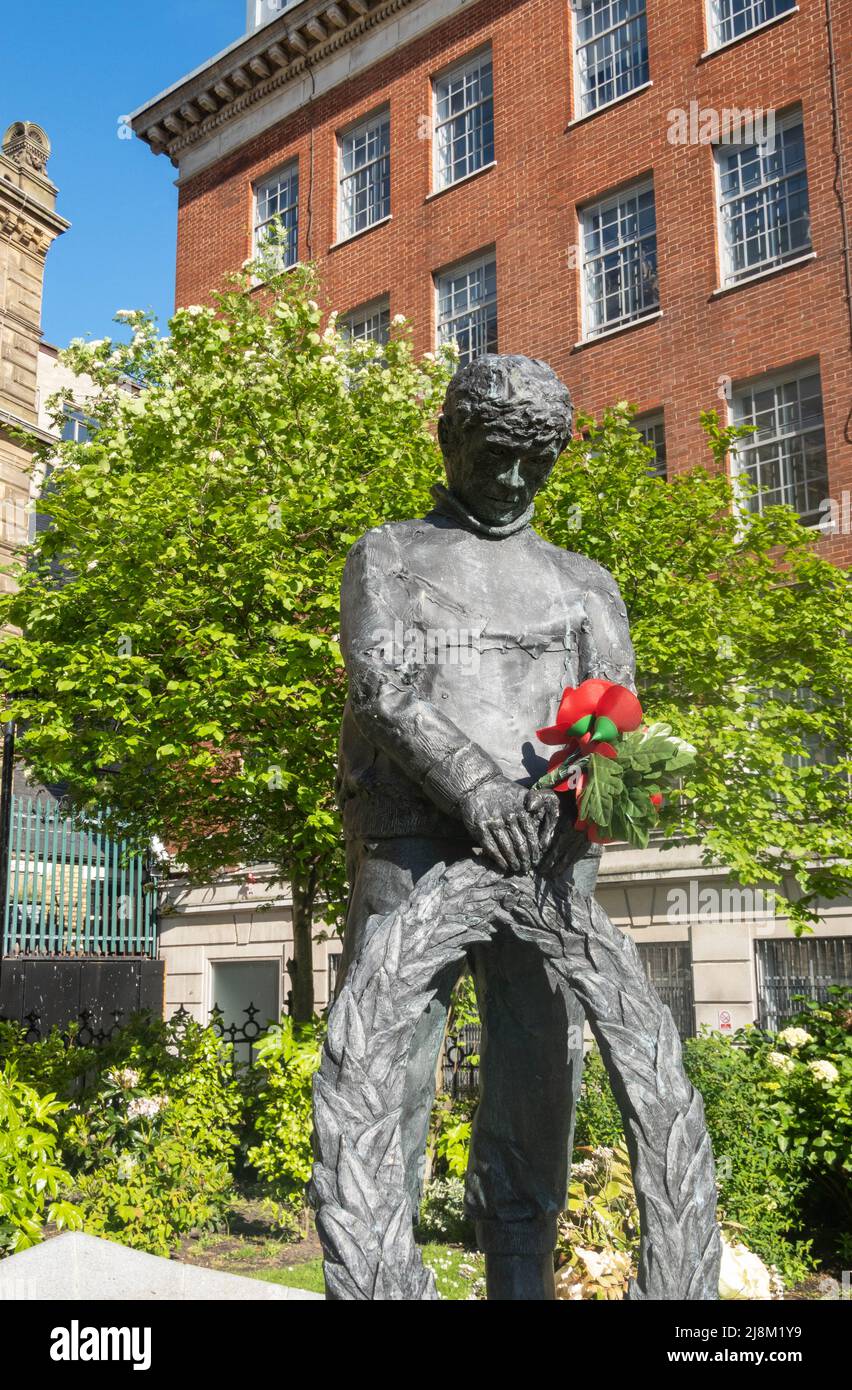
(647, 196)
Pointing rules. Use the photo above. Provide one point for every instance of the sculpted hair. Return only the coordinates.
(520, 395)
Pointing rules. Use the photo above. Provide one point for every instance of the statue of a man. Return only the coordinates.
(460, 631)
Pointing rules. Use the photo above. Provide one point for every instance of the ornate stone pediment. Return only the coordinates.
(26, 143)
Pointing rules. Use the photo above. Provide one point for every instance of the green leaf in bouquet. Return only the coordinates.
(603, 787)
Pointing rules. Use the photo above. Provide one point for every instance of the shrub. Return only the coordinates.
(809, 1086)
(598, 1235)
(54, 1063)
(442, 1216)
(279, 1109)
(153, 1142)
(760, 1186)
(30, 1173)
(598, 1121)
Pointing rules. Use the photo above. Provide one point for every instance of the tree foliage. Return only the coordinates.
(187, 671)
(741, 635)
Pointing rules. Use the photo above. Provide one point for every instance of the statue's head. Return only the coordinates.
(506, 420)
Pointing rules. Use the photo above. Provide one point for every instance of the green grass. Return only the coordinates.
(457, 1273)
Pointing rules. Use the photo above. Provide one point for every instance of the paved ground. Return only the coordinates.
(76, 1266)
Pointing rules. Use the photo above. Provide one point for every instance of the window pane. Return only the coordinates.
(464, 121)
(365, 176)
(764, 212)
(611, 46)
(653, 431)
(276, 230)
(246, 995)
(467, 308)
(785, 457)
(731, 18)
(370, 324)
(620, 265)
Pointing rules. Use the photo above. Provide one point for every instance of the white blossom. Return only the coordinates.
(824, 1071)
(126, 1077)
(781, 1061)
(794, 1037)
(146, 1107)
(216, 456)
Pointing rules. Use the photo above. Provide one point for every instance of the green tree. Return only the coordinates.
(741, 635)
(186, 671)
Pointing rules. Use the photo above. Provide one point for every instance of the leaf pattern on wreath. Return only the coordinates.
(364, 1218)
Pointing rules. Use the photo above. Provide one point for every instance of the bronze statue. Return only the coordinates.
(459, 631)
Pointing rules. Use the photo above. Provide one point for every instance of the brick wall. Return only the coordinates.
(526, 206)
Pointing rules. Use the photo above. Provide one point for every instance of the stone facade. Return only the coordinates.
(29, 224)
(233, 921)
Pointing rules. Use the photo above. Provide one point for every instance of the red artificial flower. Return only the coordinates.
(580, 709)
(621, 706)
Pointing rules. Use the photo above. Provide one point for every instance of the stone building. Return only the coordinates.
(29, 223)
(648, 196)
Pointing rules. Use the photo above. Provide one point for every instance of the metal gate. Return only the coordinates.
(791, 967)
(72, 890)
(668, 965)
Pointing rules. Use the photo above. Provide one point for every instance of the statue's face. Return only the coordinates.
(495, 475)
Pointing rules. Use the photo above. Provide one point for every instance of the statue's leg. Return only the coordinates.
(382, 876)
(530, 1074)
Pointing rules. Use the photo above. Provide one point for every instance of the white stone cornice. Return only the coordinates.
(265, 64)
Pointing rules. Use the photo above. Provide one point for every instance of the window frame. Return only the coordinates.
(79, 425)
(288, 170)
(654, 419)
(714, 38)
(478, 57)
(377, 118)
(582, 108)
(774, 381)
(479, 260)
(729, 278)
(590, 332)
(363, 313)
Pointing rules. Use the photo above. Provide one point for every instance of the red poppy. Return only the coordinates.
(595, 710)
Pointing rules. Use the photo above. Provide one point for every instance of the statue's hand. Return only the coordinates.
(566, 845)
(511, 824)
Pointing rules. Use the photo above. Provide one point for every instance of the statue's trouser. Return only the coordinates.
(530, 1063)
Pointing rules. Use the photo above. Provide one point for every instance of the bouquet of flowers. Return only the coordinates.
(617, 767)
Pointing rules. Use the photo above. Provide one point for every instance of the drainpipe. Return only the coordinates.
(837, 142)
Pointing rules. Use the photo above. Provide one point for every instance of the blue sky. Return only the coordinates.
(81, 65)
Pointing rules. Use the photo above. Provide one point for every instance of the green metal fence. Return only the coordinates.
(72, 890)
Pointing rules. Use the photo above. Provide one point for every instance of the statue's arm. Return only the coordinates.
(428, 746)
(606, 651)
(455, 773)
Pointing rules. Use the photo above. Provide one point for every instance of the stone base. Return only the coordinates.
(76, 1266)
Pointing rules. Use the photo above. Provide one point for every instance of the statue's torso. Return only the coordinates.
(487, 631)
(515, 617)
